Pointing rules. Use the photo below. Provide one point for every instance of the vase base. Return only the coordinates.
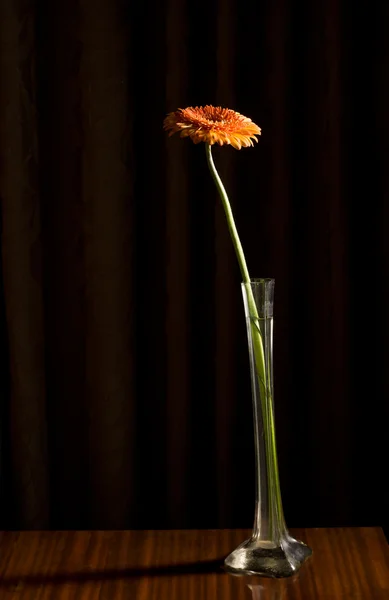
(255, 557)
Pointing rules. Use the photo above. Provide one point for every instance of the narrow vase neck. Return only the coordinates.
(258, 297)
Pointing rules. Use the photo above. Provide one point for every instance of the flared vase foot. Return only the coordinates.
(256, 557)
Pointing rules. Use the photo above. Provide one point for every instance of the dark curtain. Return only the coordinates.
(125, 391)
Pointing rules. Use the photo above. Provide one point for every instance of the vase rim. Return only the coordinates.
(257, 280)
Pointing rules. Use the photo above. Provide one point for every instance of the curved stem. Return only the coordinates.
(256, 333)
(229, 215)
(265, 394)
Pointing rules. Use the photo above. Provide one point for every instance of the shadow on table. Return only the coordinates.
(86, 575)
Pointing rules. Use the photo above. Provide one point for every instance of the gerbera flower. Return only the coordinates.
(213, 125)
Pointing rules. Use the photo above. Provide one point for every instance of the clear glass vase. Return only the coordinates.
(270, 551)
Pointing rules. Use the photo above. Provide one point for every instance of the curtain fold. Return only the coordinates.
(24, 433)
(125, 392)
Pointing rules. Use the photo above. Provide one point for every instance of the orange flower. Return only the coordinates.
(213, 125)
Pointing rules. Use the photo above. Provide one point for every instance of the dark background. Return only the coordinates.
(124, 388)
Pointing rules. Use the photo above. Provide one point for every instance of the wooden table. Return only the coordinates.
(350, 563)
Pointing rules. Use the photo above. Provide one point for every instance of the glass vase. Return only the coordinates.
(270, 551)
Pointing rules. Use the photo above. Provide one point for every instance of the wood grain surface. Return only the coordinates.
(350, 563)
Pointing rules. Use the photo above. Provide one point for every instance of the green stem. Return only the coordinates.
(265, 393)
(257, 339)
(229, 215)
